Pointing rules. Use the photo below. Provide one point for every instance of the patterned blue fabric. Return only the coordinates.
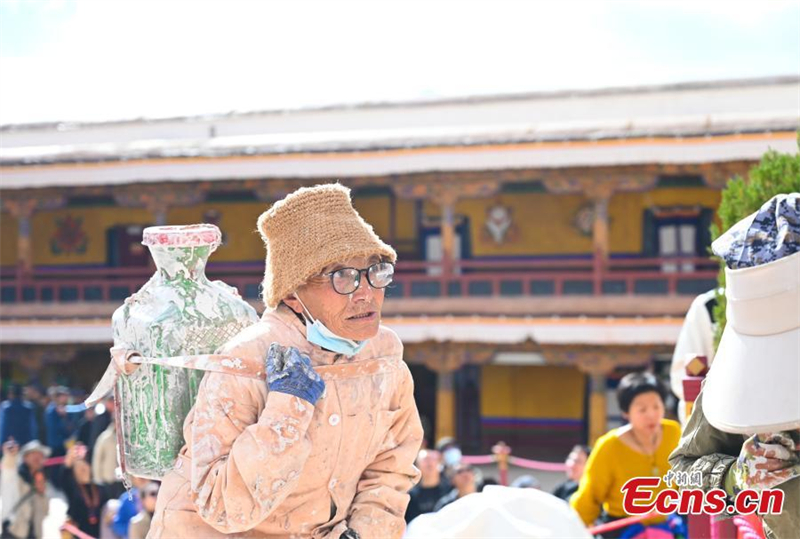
(289, 371)
(771, 233)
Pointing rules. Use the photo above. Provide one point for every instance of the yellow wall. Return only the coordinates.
(406, 218)
(376, 210)
(532, 392)
(8, 240)
(626, 211)
(545, 222)
(94, 222)
(237, 220)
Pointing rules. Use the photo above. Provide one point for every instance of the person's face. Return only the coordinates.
(34, 460)
(428, 462)
(32, 394)
(646, 412)
(576, 462)
(62, 399)
(355, 316)
(463, 477)
(39, 482)
(149, 497)
(83, 472)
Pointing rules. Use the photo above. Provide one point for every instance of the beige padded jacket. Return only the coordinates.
(261, 464)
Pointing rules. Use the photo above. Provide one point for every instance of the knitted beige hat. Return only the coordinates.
(309, 230)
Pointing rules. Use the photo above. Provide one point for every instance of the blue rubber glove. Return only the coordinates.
(289, 371)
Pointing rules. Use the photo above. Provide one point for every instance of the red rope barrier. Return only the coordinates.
(748, 527)
(478, 459)
(54, 461)
(517, 461)
(537, 464)
(621, 523)
(67, 527)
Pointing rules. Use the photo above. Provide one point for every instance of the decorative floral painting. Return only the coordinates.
(69, 237)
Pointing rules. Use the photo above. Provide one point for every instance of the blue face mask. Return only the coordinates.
(317, 333)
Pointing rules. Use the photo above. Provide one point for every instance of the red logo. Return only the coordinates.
(639, 499)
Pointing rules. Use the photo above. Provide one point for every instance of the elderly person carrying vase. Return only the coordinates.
(325, 448)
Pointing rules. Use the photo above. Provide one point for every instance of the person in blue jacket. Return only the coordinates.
(60, 423)
(128, 508)
(17, 419)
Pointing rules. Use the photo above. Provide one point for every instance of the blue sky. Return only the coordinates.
(99, 60)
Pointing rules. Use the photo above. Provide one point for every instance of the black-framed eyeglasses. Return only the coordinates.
(347, 280)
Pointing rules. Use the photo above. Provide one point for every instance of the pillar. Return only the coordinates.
(448, 236)
(445, 405)
(598, 408)
(24, 246)
(443, 190)
(23, 206)
(600, 227)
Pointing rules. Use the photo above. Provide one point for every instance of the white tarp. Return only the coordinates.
(501, 512)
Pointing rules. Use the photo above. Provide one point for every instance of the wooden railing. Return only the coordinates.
(413, 279)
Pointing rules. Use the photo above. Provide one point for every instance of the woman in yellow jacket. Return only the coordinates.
(639, 449)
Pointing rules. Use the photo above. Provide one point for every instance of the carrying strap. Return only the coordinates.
(205, 362)
(22, 500)
(122, 358)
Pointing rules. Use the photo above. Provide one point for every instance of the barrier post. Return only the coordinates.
(501, 451)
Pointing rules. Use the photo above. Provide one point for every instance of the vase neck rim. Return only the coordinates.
(202, 235)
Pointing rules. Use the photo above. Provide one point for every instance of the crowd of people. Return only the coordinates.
(594, 476)
(446, 477)
(55, 448)
(36, 426)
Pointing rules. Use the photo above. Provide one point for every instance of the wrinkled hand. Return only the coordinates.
(289, 371)
(766, 460)
(75, 453)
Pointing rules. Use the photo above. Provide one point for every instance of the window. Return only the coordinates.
(676, 232)
(677, 240)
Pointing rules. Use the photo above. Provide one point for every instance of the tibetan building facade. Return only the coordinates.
(547, 243)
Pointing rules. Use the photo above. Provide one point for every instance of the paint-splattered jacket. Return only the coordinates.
(261, 464)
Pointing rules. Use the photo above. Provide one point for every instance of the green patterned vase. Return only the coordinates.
(178, 312)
